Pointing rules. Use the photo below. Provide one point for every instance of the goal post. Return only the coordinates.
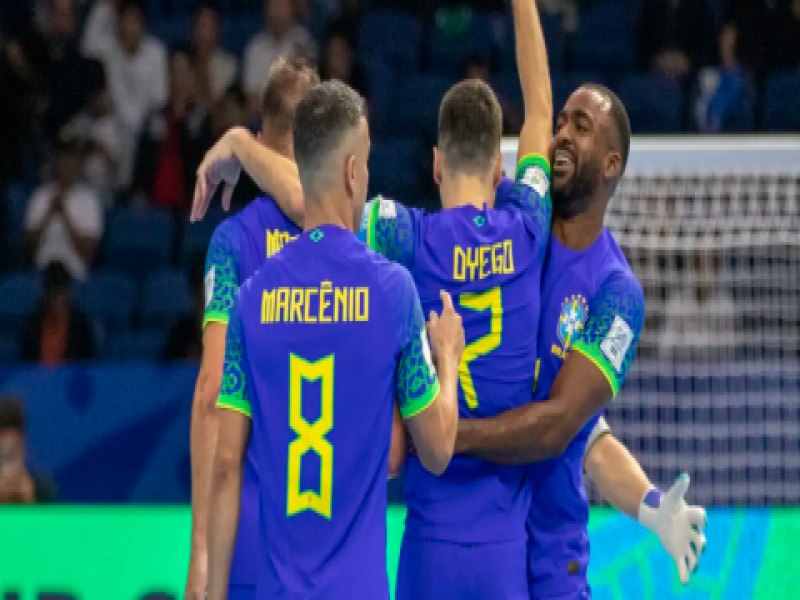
(711, 227)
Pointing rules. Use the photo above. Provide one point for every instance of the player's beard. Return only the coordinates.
(573, 197)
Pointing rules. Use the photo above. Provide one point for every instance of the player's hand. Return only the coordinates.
(446, 332)
(197, 580)
(678, 526)
(220, 166)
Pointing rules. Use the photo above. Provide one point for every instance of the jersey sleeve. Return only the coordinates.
(529, 192)
(221, 277)
(611, 334)
(417, 383)
(233, 393)
(391, 229)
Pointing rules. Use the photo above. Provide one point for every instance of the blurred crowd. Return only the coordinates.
(109, 105)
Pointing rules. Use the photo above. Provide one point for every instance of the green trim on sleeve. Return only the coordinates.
(236, 403)
(412, 409)
(215, 317)
(372, 222)
(532, 160)
(594, 355)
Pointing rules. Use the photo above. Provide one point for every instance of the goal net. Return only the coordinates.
(711, 227)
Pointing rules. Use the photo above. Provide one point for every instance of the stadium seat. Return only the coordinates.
(196, 237)
(654, 103)
(138, 241)
(19, 297)
(780, 102)
(107, 298)
(9, 349)
(449, 52)
(394, 36)
(417, 105)
(381, 83)
(508, 88)
(166, 298)
(604, 39)
(505, 51)
(394, 168)
(137, 345)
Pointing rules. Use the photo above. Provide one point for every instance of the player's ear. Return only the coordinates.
(350, 174)
(497, 173)
(613, 166)
(437, 166)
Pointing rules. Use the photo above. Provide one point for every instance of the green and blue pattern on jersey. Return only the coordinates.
(388, 230)
(221, 280)
(233, 389)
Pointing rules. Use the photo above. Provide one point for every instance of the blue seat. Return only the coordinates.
(605, 38)
(654, 103)
(20, 294)
(108, 298)
(138, 241)
(417, 105)
(781, 102)
(393, 36)
(381, 81)
(145, 345)
(449, 52)
(394, 168)
(9, 349)
(166, 298)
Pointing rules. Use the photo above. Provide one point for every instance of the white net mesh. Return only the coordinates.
(712, 230)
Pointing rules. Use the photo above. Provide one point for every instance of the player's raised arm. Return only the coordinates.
(272, 172)
(429, 402)
(226, 482)
(591, 375)
(534, 77)
(622, 482)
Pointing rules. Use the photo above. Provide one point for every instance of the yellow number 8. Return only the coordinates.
(491, 300)
(310, 436)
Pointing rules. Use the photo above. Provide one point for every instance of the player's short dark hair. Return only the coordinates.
(470, 126)
(327, 113)
(619, 120)
(286, 77)
(12, 414)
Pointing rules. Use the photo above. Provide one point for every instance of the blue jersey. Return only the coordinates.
(239, 246)
(322, 339)
(490, 261)
(592, 304)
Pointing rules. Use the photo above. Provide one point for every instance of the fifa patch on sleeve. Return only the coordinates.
(209, 285)
(535, 177)
(616, 343)
(387, 209)
(426, 350)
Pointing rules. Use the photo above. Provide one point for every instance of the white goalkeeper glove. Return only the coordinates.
(677, 525)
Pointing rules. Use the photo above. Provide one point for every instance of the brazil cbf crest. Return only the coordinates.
(574, 312)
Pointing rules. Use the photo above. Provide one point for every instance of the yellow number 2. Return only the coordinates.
(310, 436)
(491, 300)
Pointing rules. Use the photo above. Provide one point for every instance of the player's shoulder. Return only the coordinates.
(617, 279)
(226, 233)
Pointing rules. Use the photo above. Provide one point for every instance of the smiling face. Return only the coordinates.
(584, 153)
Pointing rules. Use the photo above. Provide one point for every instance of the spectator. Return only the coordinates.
(57, 332)
(95, 127)
(785, 37)
(66, 67)
(185, 341)
(17, 484)
(338, 58)
(282, 36)
(229, 111)
(136, 65)
(216, 69)
(98, 34)
(64, 220)
(174, 141)
(747, 24)
(675, 36)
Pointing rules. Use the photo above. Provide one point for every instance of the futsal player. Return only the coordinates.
(238, 247)
(321, 339)
(591, 318)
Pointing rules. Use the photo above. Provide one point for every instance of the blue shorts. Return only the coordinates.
(241, 592)
(437, 570)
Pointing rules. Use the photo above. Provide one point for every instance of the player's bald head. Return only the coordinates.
(618, 131)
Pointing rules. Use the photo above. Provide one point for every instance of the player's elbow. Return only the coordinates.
(437, 460)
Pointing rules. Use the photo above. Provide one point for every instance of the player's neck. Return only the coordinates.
(466, 190)
(326, 209)
(578, 232)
